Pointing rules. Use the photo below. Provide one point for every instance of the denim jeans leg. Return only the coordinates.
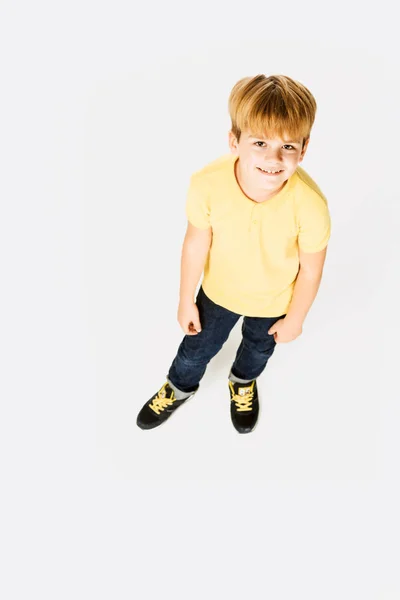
(256, 347)
(196, 351)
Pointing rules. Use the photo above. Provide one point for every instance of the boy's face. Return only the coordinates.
(275, 154)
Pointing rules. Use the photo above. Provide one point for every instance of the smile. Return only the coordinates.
(270, 172)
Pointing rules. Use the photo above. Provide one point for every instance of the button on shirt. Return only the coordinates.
(253, 260)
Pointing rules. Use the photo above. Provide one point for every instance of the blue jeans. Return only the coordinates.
(196, 351)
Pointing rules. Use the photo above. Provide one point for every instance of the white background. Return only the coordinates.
(105, 111)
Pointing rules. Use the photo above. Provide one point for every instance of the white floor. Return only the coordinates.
(106, 110)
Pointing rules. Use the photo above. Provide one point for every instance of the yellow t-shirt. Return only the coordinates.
(253, 260)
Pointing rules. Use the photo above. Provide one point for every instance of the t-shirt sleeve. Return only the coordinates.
(314, 223)
(198, 204)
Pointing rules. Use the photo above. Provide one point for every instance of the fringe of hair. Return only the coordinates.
(274, 106)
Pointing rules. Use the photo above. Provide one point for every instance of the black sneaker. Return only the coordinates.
(244, 405)
(159, 408)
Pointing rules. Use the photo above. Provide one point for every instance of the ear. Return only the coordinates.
(304, 149)
(232, 141)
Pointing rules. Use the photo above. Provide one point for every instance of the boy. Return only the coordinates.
(259, 226)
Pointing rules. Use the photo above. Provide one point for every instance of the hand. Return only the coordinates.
(189, 318)
(285, 330)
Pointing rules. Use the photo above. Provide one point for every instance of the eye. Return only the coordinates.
(287, 145)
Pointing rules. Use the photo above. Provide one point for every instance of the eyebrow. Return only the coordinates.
(252, 137)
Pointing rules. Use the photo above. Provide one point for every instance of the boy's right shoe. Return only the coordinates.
(159, 408)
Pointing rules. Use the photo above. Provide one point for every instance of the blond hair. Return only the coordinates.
(272, 106)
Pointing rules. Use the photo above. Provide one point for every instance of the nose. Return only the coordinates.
(273, 156)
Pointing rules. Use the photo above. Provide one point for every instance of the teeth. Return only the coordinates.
(270, 171)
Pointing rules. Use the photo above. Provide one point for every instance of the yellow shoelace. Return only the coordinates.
(161, 400)
(244, 398)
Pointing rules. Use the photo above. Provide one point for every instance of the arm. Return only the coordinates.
(196, 247)
(306, 286)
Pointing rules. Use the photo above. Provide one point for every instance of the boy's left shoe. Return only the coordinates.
(244, 405)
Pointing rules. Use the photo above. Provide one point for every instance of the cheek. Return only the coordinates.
(254, 157)
(292, 161)
(250, 158)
